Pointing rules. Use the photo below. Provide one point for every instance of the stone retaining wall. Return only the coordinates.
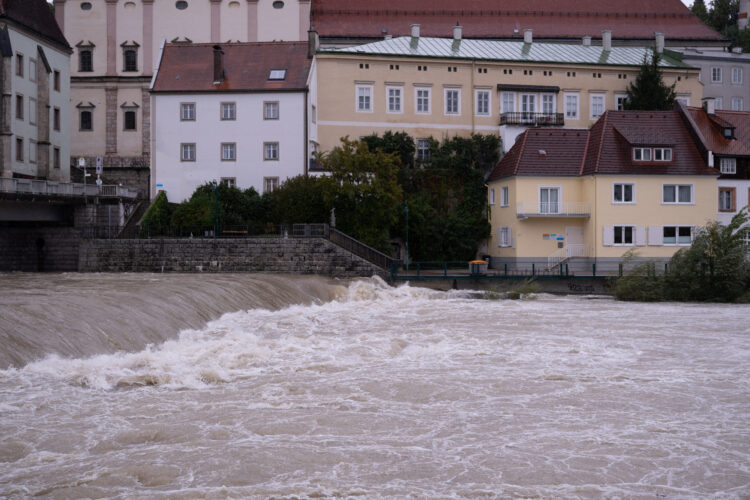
(39, 249)
(270, 255)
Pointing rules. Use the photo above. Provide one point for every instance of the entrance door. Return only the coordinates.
(574, 241)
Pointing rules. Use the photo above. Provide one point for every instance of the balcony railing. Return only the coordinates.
(553, 209)
(63, 189)
(533, 119)
(570, 251)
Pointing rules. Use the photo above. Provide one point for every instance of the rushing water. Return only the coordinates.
(365, 391)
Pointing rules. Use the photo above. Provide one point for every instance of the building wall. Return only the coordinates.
(249, 132)
(742, 192)
(724, 89)
(339, 76)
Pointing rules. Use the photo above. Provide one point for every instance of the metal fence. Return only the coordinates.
(360, 249)
(64, 189)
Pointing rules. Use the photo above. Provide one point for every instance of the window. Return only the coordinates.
(86, 6)
(56, 119)
(508, 104)
(32, 70)
(86, 123)
(228, 111)
(504, 198)
(727, 199)
(483, 102)
(492, 196)
(271, 151)
(56, 158)
(623, 193)
(528, 105)
(271, 110)
(728, 165)
(503, 236)
(423, 101)
(623, 235)
(19, 107)
(181, 5)
(85, 59)
(278, 4)
(684, 100)
(129, 121)
(19, 149)
(19, 65)
(57, 81)
(597, 106)
(270, 183)
(228, 151)
(364, 99)
(677, 235)
(314, 114)
(452, 102)
(229, 181)
(549, 200)
(32, 151)
(187, 111)
(571, 106)
(548, 104)
(737, 76)
(277, 74)
(641, 154)
(737, 103)
(677, 193)
(32, 111)
(662, 154)
(719, 103)
(423, 149)
(394, 99)
(716, 75)
(130, 59)
(187, 151)
(620, 100)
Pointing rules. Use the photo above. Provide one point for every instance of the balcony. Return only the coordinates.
(559, 210)
(533, 119)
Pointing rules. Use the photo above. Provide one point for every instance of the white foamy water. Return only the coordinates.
(397, 392)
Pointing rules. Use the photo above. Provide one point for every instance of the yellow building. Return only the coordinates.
(635, 181)
(441, 87)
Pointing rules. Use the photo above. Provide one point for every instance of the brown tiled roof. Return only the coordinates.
(715, 140)
(548, 152)
(36, 16)
(605, 149)
(190, 67)
(550, 19)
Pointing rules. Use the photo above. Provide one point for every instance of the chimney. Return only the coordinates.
(415, 31)
(709, 104)
(659, 42)
(742, 19)
(528, 36)
(607, 40)
(313, 43)
(587, 41)
(457, 32)
(218, 64)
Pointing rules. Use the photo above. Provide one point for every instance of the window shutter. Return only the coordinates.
(512, 239)
(499, 236)
(609, 236)
(655, 236)
(640, 236)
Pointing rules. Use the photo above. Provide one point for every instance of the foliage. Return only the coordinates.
(699, 9)
(641, 284)
(523, 290)
(362, 187)
(235, 207)
(648, 92)
(300, 200)
(156, 220)
(722, 16)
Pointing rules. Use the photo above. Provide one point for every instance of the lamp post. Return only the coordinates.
(82, 164)
(406, 209)
(216, 208)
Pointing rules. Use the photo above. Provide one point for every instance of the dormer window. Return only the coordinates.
(641, 154)
(662, 154)
(728, 132)
(277, 74)
(652, 154)
(728, 165)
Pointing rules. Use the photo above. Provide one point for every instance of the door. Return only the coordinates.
(528, 106)
(574, 241)
(549, 200)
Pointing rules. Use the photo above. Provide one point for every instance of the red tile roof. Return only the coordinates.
(712, 134)
(549, 19)
(606, 148)
(36, 16)
(190, 67)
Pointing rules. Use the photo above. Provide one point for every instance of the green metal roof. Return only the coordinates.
(496, 50)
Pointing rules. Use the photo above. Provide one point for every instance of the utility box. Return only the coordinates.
(478, 267)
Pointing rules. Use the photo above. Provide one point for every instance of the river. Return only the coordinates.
(257, 386)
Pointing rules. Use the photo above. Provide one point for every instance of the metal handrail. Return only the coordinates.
(552, 209)
(54, 188)
(533, 119)
(360, 249)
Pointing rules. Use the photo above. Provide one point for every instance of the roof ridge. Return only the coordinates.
(604, 117)
(585, 153)
(520, 152)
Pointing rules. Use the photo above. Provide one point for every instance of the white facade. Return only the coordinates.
(739, 190)
(38, 84)
(249, 132)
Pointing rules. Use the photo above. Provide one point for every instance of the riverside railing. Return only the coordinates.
(63, 189)
(360, 249)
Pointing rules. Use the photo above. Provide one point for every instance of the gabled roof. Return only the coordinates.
(550, 19)
(497, 50)
(712, 134)
(36, 16)
(247, 67)
(605, 149)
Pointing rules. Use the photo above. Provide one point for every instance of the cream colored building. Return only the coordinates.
(635, 181)
(441, 87)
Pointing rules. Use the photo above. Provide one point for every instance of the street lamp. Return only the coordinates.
(406, 209)
(82, 164)
(216, 207)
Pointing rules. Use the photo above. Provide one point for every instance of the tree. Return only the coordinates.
(648, 92)
(300, 200)
(235, 208)
(699, 9)
(723, 14)
(157, 218)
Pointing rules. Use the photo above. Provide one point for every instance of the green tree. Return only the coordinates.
(300, 200)
(699, 9)
(235, 208)
(743, 40)
(156, 220)
(363, 188)
(723, 14)
(648, 92)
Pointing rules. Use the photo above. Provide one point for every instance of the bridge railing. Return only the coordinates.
(73, 189)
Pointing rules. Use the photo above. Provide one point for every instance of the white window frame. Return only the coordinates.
(716, 76)
(577, 114)
(270, 183)
(736, 75)
(503, 237)
(422, 100)
(738, 104)
(548, 103)
(644, 153)
(32, 151)
(423, 149)
(504, 196)
(622, 229)
(677, 190)
(271, 151)
(271, 110)
(365, 92)
(229, 181)
(662, 154)
(492, 196)
(596, 97)
(394, 95)
(188, 112)
(508, 98)
(677, 241)
(620, 100)
(527, 104)
(719, 102)
(622, 193)
(683, 99)
(731, 193)
(728, 166)
(228, 151)
(188, 151)
(483, 104)
(228, 111)
(447, 99)
(32, 111)
(547, 209)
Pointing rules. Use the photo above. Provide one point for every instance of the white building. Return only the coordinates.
(241, 113)
(34, 132)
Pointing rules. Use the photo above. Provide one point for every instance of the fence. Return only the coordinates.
(63, 189)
